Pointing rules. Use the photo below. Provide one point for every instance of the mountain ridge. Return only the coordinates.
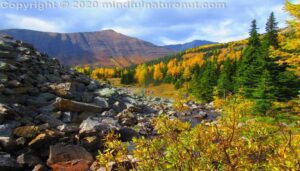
(188, 45)
(99, 48)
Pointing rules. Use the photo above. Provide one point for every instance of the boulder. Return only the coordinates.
(43, 140)
(106, 92)
(52, 121)
(127, 134)
(26, 131)
(6, 132)
(69, 158)
(40, 167)
(127, 118)
(74, 106)
(13, 84)
(91, 143)
(8, 54)
(7, 163)
(109, 113)
(93, 86)
(94, 125)
(101, 102)
(6, 112)
(3, 78)
(28, 160)
(119, 106)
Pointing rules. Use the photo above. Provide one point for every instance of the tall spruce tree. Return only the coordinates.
(264, 93)
(250, 65)
(225, 82)
(271, 37)
(284, 81)
(205, 83)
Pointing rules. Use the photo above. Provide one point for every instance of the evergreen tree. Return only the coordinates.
(203, 86)
(285, 81)
(225, 82)
(250, 65)
(271, 37)
(264, 93)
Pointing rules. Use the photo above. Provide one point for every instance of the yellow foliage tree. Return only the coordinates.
(290, 39)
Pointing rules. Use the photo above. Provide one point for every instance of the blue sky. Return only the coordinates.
(159, 26)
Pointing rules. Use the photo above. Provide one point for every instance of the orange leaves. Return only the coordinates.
(141, 72)
(158, 71)
(101, 73)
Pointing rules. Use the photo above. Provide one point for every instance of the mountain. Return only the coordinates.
(193, 44)
(104, 48)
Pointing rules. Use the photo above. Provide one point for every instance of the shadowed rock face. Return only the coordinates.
(106, 48)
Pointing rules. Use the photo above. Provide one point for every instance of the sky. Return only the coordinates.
(161, 26)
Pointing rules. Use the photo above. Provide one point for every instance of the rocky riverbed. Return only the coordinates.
(54, 118)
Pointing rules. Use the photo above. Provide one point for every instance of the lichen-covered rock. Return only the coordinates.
(69, 158)
(26, 131)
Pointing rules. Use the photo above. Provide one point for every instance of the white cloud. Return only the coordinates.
(24, 22)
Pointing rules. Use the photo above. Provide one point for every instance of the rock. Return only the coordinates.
(67, 117)
(93, 86)
(7, 163)
(39, 167)
(26, 131)
(129, 100)
(6, 112)
(94, 125)
(68, 128)
(74, 106)
(91, 143)
(146, 128)
(43, 139)
(101, 102)
(62, 89)
(119, 106)
(5, 46)
(106, 92)
(69, 157)
(53, 122)
(3, 78)
(53, 78)
(6, 131)
(28, 160)
(109, 113)
(127, 134)
(13, 84)
(127, 118)
(8, 54)
(83, 79)
(46, 96)
(87, 97)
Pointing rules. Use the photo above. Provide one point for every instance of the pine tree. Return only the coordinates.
(225, 82)
(283, 79)
(271, 37)
(205, 83)
(264, 93)
(250, 65)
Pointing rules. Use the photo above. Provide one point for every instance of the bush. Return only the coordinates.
(226, 144)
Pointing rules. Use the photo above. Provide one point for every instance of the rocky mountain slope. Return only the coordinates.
(189, 45)
(52, 117)
(105, 48)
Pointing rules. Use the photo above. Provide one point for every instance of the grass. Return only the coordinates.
(162, 90)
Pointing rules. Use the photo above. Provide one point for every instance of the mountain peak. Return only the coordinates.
(105, 48)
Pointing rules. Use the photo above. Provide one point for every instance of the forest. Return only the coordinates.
(255, 82)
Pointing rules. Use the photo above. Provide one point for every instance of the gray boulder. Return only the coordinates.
(74, 106)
